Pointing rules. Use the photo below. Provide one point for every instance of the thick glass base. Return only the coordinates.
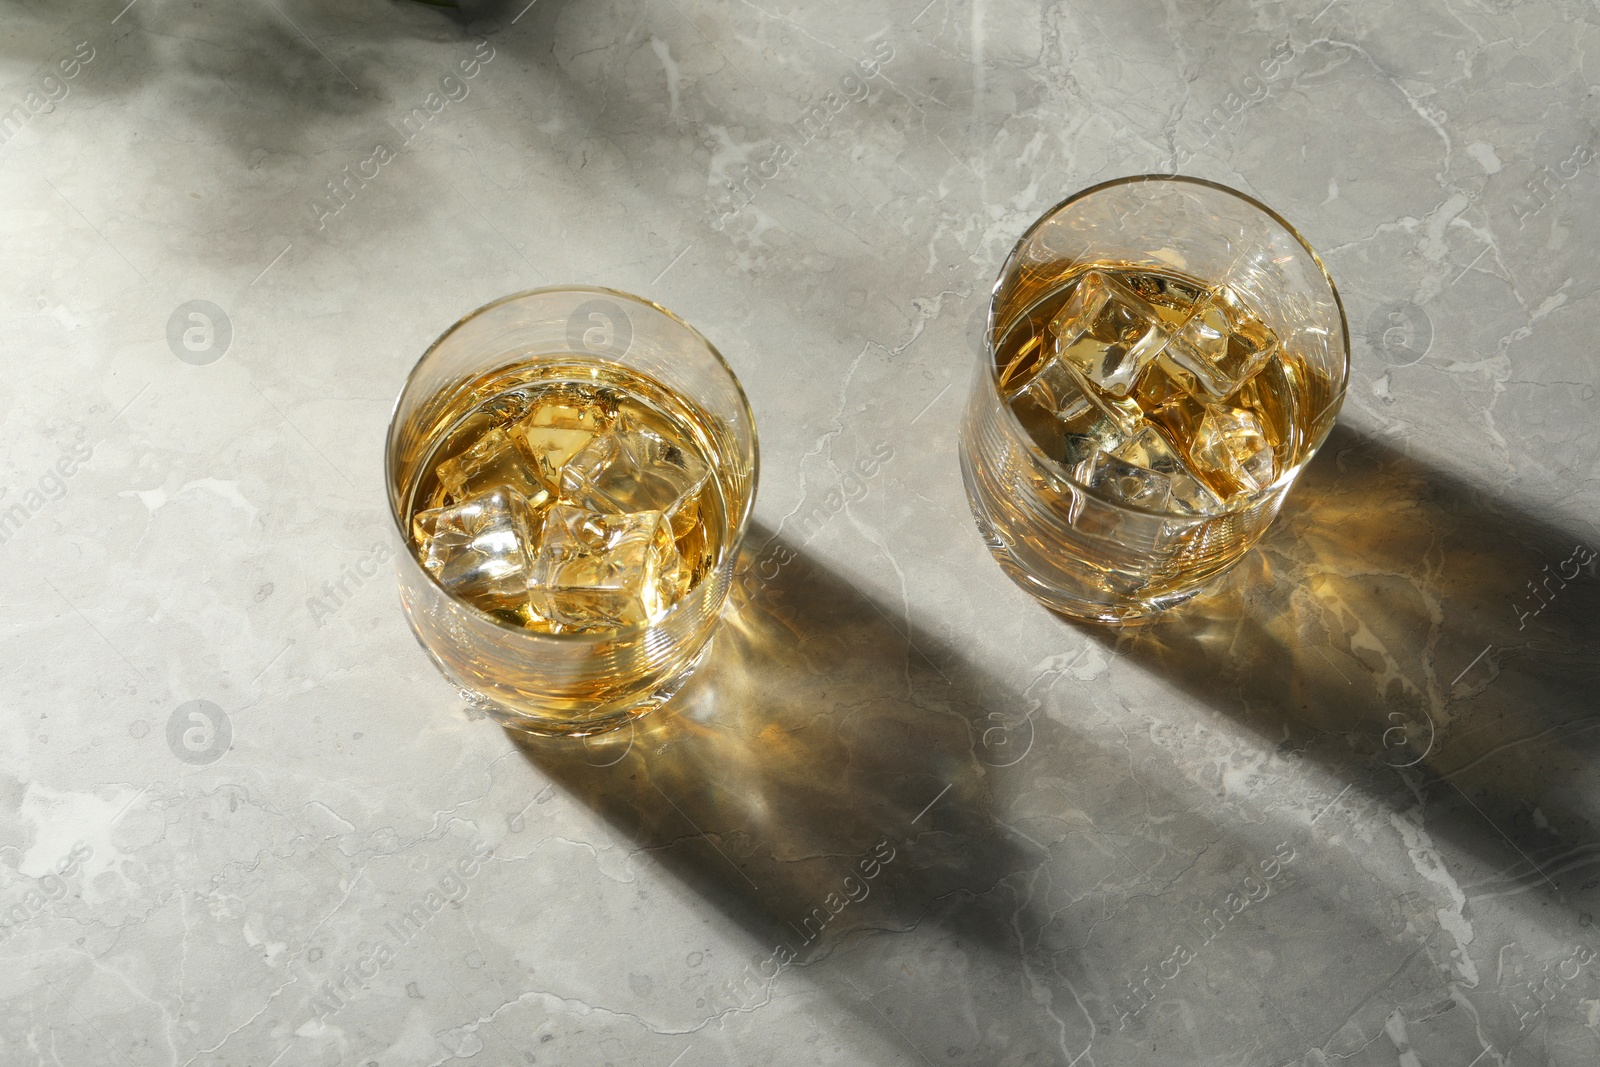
(1097, 580)
(527, 715)
(1075, 603)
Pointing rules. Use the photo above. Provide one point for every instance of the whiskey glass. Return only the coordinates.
(1125, 440)
(507, 659)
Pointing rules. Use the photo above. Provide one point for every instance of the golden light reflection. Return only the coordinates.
(1384, 616)
(816, 738)
(813, 734)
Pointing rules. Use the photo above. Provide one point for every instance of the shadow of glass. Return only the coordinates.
(821, 777)
(244, 64)
(1414, 636)
(254, 78)
(61, 53)
(813, 739)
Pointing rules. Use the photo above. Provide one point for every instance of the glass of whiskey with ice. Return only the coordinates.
(1162, 357)
(571, 471)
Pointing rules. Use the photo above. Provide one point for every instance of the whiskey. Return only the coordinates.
(1137, 432)
(571, 471)
(1154, 389)
(1164, 356)
(568, 495)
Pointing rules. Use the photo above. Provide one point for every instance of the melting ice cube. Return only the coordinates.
(627, 470)
(1147, 471)
(478, 549)
(1054, 406)
(554, 431)
(1231, 445)
(1221, 346)
(596, 571)
(492, 460)
(1167, 403)
(1108, 332)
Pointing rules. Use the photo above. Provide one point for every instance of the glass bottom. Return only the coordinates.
(1073, 586)
(1125, 611)
(531, 719)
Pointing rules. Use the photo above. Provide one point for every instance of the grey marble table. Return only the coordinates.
(1341, 812)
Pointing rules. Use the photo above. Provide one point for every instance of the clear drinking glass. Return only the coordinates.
(1060, 481)
(610, 343)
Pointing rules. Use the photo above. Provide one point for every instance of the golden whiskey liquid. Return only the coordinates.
(568, 496)
(1215, 399)
(1171, 416)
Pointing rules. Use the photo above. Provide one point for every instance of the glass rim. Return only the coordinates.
(740, 526)
(1180, 179)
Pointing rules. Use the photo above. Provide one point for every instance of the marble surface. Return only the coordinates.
(1342, 812)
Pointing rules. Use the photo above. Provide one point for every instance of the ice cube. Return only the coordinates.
(1231, 445)
(1053, 388)
(554, 431)
(1149, 449)
(1147, 471)
(595, 571)
(1125, 482)
(632, 469)
(1055, 409)
(478, 549)
(491, 460)
(1167, 404)
(1221, 346)
(1108, 332)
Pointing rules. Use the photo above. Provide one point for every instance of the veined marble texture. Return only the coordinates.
(1340, 812)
